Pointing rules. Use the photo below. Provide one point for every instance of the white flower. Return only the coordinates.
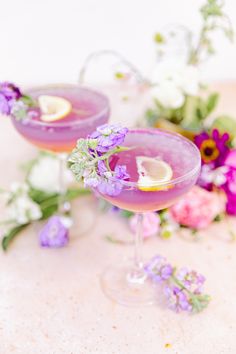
(21, 209)
(215, 176)
(44, 175)
(176, 80)
(168, 95)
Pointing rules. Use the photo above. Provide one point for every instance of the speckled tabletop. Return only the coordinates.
(51, 301)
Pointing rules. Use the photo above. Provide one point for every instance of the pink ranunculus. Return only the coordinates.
(151, 224)
(198, 208)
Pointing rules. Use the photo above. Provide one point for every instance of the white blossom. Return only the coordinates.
(20, 207)
(44, 175)
(173, 81)
(168, 95)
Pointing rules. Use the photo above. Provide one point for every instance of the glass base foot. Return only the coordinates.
(119, 284)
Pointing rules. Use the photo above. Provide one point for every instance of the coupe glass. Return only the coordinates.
(90, 109)
(127, 282)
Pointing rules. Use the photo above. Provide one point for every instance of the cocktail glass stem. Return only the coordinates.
(63, 205)
(137, 274)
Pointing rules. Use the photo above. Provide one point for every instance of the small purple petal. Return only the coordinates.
(54, 234)
(4, 105)
(177, 299)
(158, 269)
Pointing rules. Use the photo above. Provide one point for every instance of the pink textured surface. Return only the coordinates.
(51, 301)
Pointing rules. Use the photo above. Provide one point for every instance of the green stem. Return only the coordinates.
(112, 152)
(11, 235)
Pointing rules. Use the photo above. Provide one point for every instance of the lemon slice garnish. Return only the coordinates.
(153, 172)
(53, 108)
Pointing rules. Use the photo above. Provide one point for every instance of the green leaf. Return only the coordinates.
(126, 213)
(9, 237)
(74, 193)
(225, 124)
(29, 101)
(212, 101)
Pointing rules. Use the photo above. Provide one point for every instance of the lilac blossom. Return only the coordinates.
(158, 269)
(95, 160)
(191, 280)
(109, 137)
(177, 299)
(10, 91)
(54, 233)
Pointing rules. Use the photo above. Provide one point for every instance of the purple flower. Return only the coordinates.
(191, 280)
(101, 167)
(110, 181)
(54, 233)
(158, 269)
(109, 136)
(213, 147)
(9, 93)
(177, 299)
(121, 173)
(4, 105)
(230, 189)
(110, 186)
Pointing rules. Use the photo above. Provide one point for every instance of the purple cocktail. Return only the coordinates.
(89, 109)
(171, 165)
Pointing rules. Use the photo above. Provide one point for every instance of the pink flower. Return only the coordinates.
(151, 224)
(198, 208)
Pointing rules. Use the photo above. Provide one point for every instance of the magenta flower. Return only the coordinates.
(177, 299)
(230, 184)
(158, 269)
(213, 147)
(54, 233)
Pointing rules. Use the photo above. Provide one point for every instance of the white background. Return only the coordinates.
(47, 40)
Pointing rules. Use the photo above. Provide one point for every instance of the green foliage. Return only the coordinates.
(9, 237)
(29, 101)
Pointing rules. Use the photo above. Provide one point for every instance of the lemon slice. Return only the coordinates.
(153, 172)
(53, 108)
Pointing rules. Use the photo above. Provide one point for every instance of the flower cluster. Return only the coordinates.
(9, 94)
(21, 209)
(218, 165)
(183, 288)
(95, 161)
(38, 198)
(198, 208)
(54, 234)
(14, 102)
(173, 82)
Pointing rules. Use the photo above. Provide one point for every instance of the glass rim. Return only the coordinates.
(173, 181)
(59, 124)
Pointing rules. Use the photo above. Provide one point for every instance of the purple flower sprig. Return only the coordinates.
(94, 160)
(13, 102)
(183, 288)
